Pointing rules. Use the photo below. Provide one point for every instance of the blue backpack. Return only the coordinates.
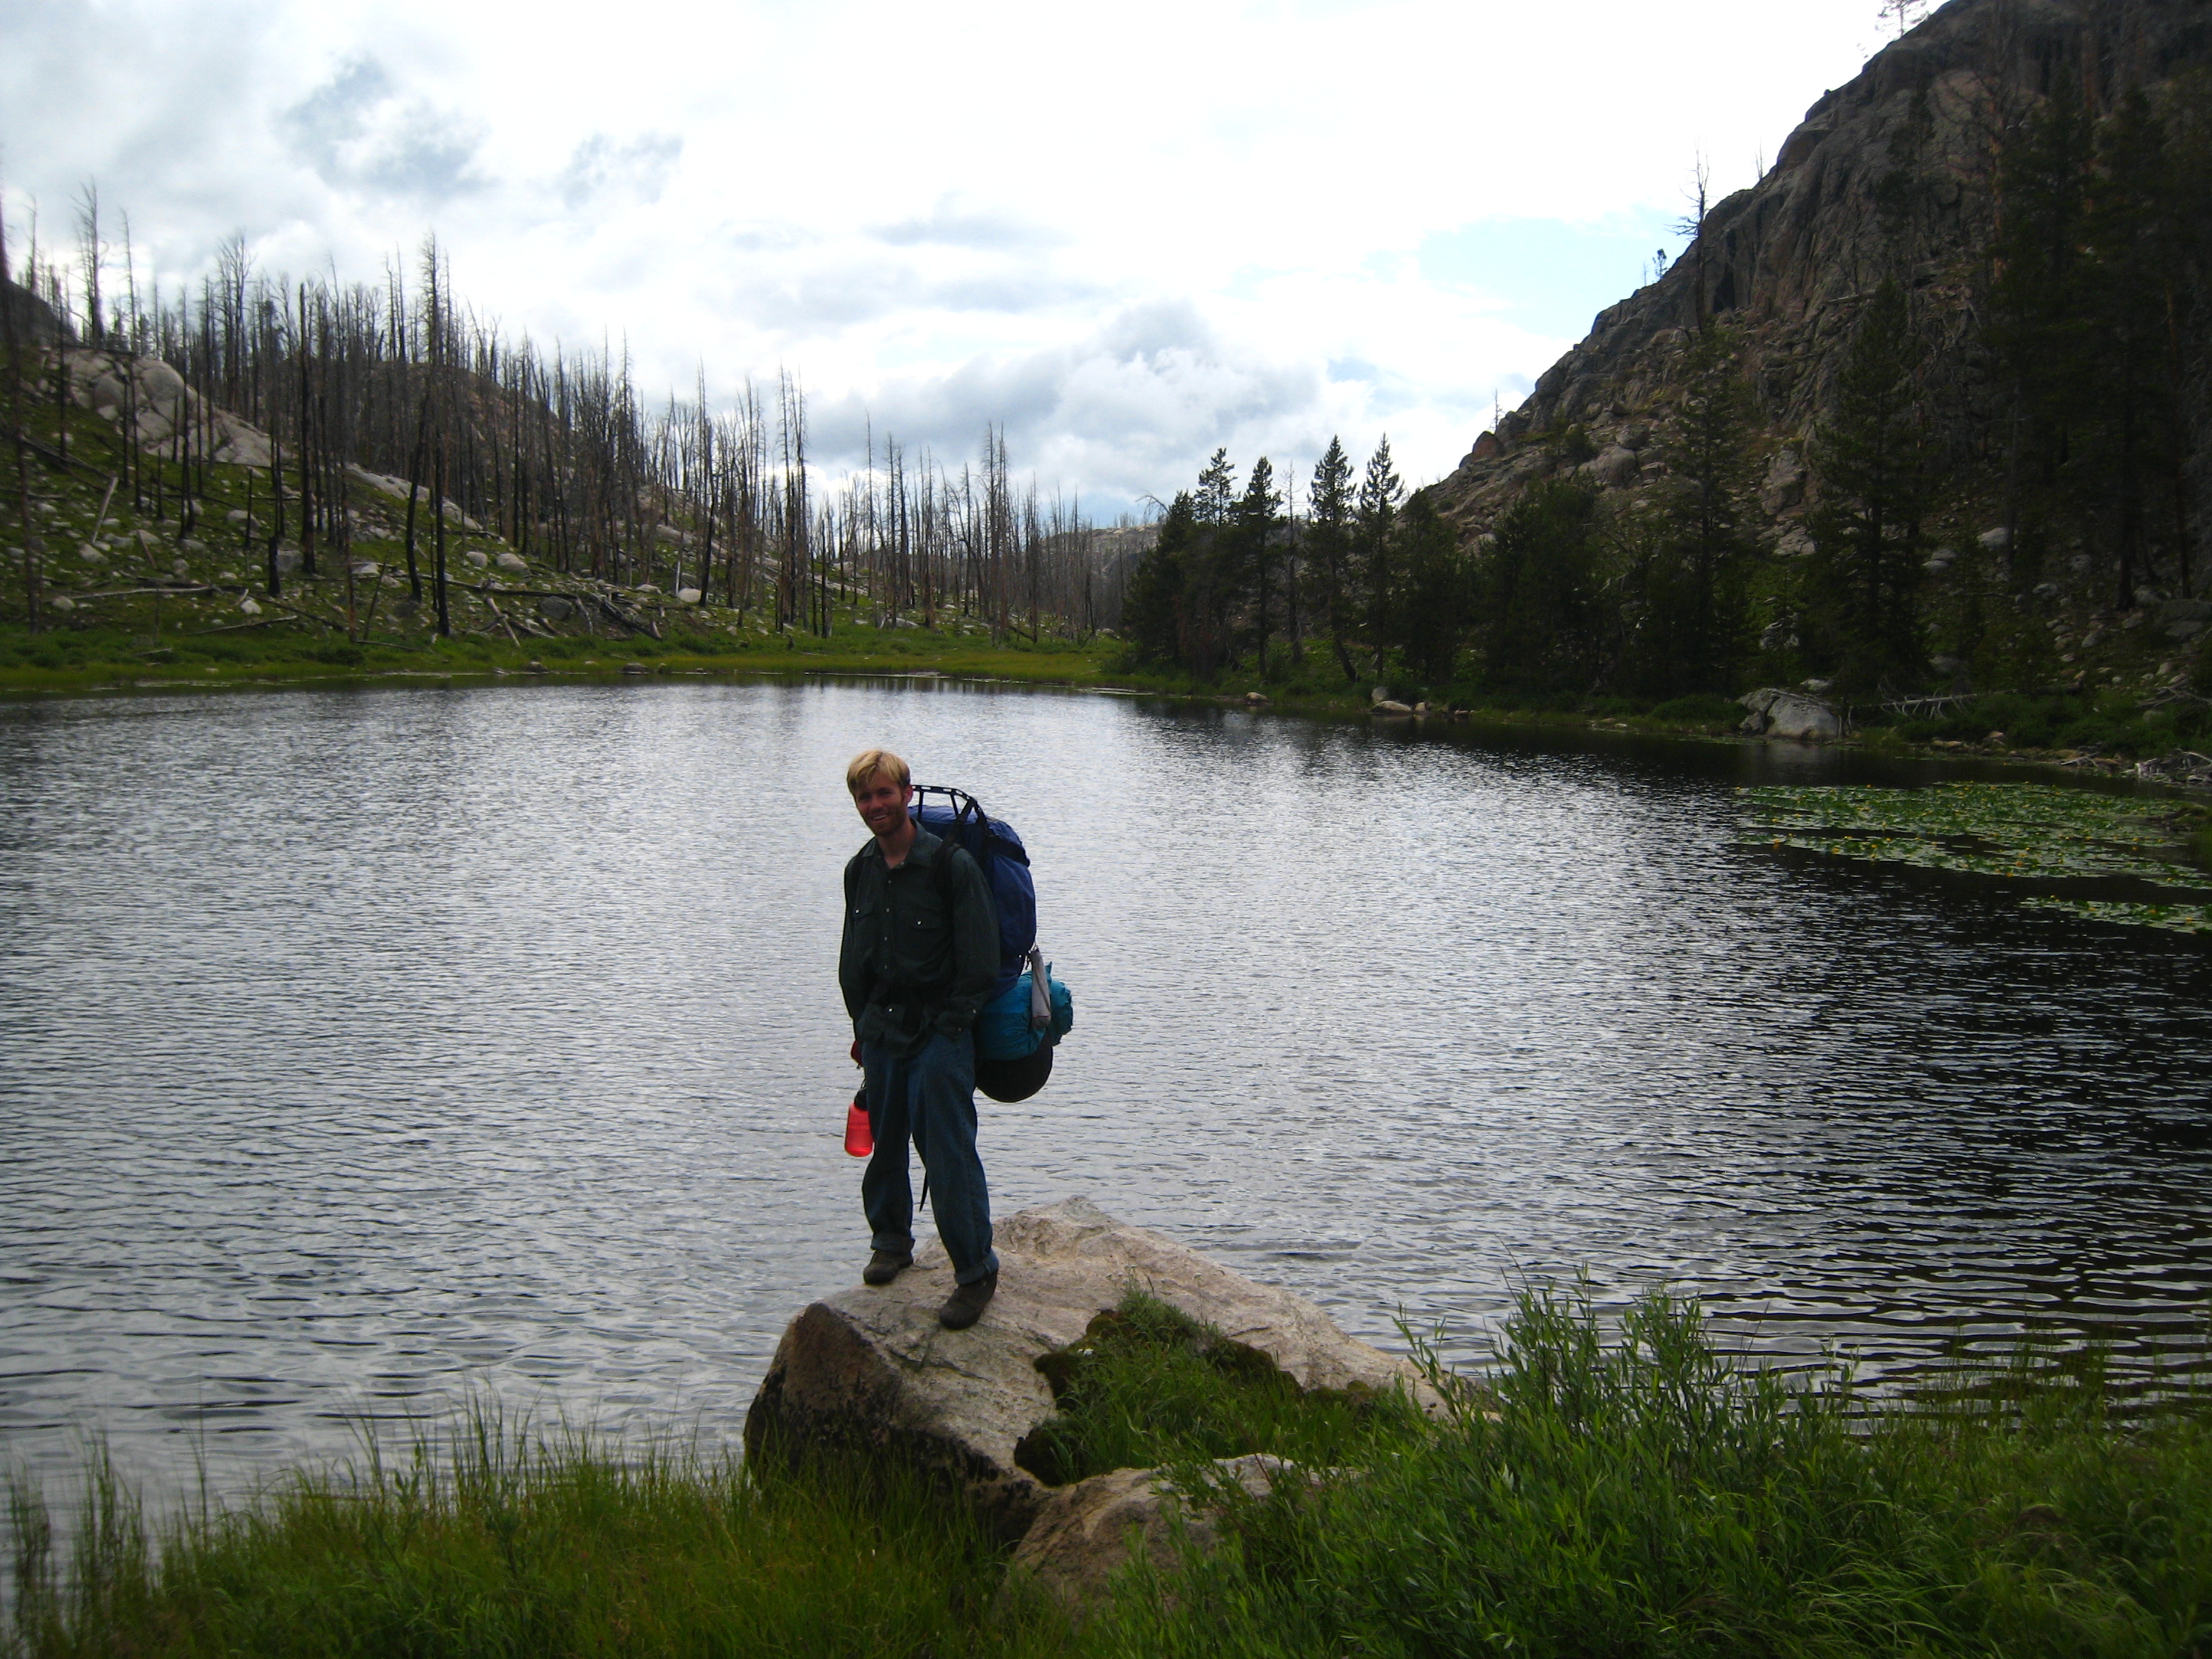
(997, 849)
(1017, 1029)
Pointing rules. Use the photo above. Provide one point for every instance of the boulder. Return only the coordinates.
(476, 558)
(689, 595)
(1784, 486)
(1615, 466)
(513, 562)
(1088, 1529)
(1389, 706)
(1778, 713)
(553, 608)
(872, 1369)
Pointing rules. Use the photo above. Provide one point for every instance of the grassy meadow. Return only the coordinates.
(1602, 1490)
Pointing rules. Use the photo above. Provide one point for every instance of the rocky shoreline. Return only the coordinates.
(869, 1370)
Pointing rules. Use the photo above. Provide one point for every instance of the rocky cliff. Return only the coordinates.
(1891, 176)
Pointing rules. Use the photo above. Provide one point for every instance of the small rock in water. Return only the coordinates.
(633, 668)
(535, 667)
(1389, 706)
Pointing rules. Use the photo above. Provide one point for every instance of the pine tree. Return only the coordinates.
(1873, 463)
(1686, 633)
(1328, 544)
(1536, 596)
(1152, 614)
(1257, 549)
(1216, 490)
(1373, 515)
(2134, 449)
(1430, 596)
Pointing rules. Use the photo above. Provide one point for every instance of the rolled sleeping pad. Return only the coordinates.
(1009, 1080)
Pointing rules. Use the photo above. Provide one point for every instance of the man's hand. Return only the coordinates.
(856, 1051)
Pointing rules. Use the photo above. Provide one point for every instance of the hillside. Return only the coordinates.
(1936, 170)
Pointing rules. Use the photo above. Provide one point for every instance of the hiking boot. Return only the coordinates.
(885, 1266)
(965, 1305)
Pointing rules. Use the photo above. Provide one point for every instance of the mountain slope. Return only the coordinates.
(1895, 176)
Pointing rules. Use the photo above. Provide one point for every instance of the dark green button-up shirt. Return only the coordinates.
(922, 944)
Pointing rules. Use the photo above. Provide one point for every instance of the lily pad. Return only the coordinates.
(2179, 918)
(2033, 834)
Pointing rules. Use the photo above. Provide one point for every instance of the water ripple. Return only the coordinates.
(367, 1050)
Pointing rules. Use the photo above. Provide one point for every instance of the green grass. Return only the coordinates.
(500, 1541)
(1601, 1490)
(1651, 1498)
(1149, 1386)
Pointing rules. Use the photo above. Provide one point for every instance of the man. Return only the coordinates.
(921, 954)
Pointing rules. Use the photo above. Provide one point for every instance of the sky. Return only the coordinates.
(1129, 234)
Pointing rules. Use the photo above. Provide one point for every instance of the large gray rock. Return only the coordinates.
(1089, 1529)
(1616, 466)
(1778, 713)
(872, 1369)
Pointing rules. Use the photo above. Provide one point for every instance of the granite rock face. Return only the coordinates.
(1888, 176)
(872, 1369)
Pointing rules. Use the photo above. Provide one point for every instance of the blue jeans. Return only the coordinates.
(928, 1098)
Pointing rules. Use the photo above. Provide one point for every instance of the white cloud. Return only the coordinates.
(1129, 235)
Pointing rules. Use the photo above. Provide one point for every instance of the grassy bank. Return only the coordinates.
(1589, 1497)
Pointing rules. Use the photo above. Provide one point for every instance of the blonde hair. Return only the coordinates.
(868, 763)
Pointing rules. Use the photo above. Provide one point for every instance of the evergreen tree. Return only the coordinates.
(2037, 328)
(1873, 463)
(2134, 451)
(1328, 546)
(1374, 512)
(1216, 490)
(1258, 551)
(1152, 619)
(1538, 620)
(1429, 600)
(1686, 583)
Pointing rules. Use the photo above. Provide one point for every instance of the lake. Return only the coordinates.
(367, 1051)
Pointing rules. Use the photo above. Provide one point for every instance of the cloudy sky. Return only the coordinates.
(1129, 233)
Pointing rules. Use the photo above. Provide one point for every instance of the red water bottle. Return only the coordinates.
(859, 1137)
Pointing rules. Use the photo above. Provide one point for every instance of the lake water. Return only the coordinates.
(362, 1051)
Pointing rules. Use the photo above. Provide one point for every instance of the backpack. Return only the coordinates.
(1028, 1012)
(997, 849)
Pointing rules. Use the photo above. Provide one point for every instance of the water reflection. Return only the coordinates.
(365, 1048)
